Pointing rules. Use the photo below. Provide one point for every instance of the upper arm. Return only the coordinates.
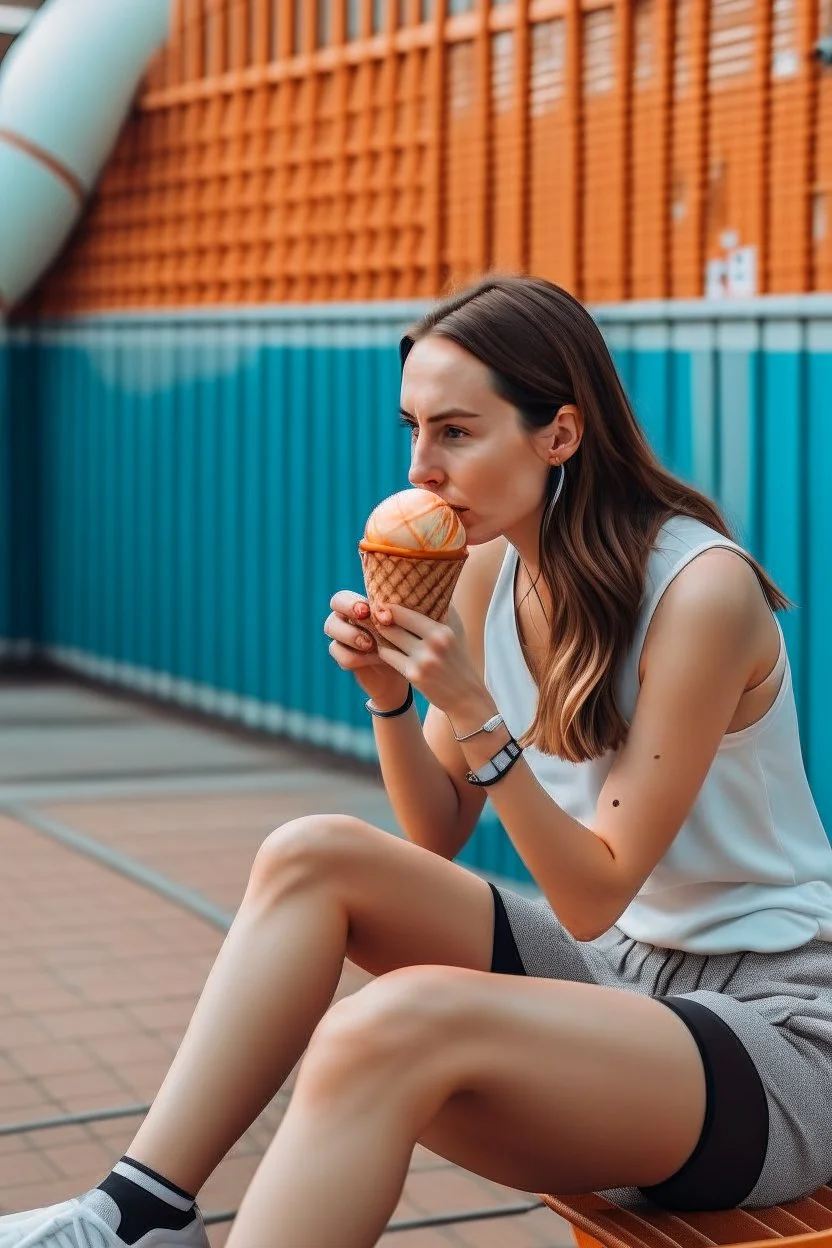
(703, 641)
(470, 600)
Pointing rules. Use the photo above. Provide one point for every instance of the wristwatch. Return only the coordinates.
(496, 767)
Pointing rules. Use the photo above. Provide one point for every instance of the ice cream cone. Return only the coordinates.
(423, 584)
(421, 576)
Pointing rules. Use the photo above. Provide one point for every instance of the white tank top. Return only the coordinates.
(751, 866)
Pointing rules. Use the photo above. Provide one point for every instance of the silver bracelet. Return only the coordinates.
(488, 726)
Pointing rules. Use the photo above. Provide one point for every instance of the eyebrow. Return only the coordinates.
(452, 411)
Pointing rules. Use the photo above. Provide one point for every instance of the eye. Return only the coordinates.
(451, 432)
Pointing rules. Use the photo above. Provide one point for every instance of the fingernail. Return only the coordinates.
(362, 641)
(362, 610)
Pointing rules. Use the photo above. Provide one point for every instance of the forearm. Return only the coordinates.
(572, 866)
(422, 794)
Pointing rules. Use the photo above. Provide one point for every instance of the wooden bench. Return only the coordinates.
(596, 1223)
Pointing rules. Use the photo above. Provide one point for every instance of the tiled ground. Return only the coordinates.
(99, 973)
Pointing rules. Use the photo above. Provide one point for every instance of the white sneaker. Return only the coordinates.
(13, 1226)
(80, 1224)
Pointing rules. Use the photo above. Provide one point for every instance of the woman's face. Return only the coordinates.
(468, 445)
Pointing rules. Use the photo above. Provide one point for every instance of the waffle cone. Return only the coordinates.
(423, 584)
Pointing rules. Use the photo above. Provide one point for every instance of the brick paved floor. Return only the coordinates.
(99, 973)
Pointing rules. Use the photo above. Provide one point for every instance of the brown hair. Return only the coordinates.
(543, 350)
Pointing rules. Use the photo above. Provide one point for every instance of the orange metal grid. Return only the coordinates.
(605, 108)
(738, 80)
(793, 91)
(508, 52)
(649, 217)
(464, 175)
(821, 185)
(600, 199)
(412, 242)
(688, 135)
(613, 145)
(553, 240)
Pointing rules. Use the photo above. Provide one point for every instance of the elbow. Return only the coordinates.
(445, 842)
(590, 921)
(584, 932)
(601, 907)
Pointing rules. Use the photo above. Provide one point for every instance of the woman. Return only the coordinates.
(660, 1021)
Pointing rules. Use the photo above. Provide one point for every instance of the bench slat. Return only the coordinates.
(805, 1222)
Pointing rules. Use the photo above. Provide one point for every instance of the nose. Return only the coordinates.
(424, 470)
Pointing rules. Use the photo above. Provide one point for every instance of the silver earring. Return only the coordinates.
(550, 507)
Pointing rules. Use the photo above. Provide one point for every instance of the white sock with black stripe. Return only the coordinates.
(139, 1200)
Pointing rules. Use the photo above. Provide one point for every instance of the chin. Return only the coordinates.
(478, 536)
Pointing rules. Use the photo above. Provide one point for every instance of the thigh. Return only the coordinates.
(402, 905)
(408, 906)
(570, 1087)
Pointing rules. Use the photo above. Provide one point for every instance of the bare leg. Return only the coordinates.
(539, 1084)
(321, 888)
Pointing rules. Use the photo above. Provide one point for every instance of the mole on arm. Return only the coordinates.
(616, 802)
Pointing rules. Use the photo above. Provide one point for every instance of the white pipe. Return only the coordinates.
(66, 85)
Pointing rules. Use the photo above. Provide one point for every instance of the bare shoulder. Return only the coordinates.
(718, 599)
(719, 582)
(474, 590)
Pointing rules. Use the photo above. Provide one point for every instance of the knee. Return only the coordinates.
(305, 851)
(388, 1030)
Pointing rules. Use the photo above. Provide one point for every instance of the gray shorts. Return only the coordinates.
(778, 1005)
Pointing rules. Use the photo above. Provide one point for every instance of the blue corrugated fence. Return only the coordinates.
(184, 492)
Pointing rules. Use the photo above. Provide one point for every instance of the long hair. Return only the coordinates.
(543, 350)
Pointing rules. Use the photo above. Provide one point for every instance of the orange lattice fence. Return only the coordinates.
(384, 149)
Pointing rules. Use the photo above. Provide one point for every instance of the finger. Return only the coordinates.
(348, 634)
(395, 659)
(366, 628)
(350, 660)
(414, 621)
(350, 605)
(400, 637)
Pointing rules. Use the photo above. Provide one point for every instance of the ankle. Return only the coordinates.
(142, 1200)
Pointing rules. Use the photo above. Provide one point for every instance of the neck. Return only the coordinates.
(526, 541)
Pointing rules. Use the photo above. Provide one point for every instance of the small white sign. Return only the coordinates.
(784, 64)
(741, 277)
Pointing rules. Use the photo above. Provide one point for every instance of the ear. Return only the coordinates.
(560, 440)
